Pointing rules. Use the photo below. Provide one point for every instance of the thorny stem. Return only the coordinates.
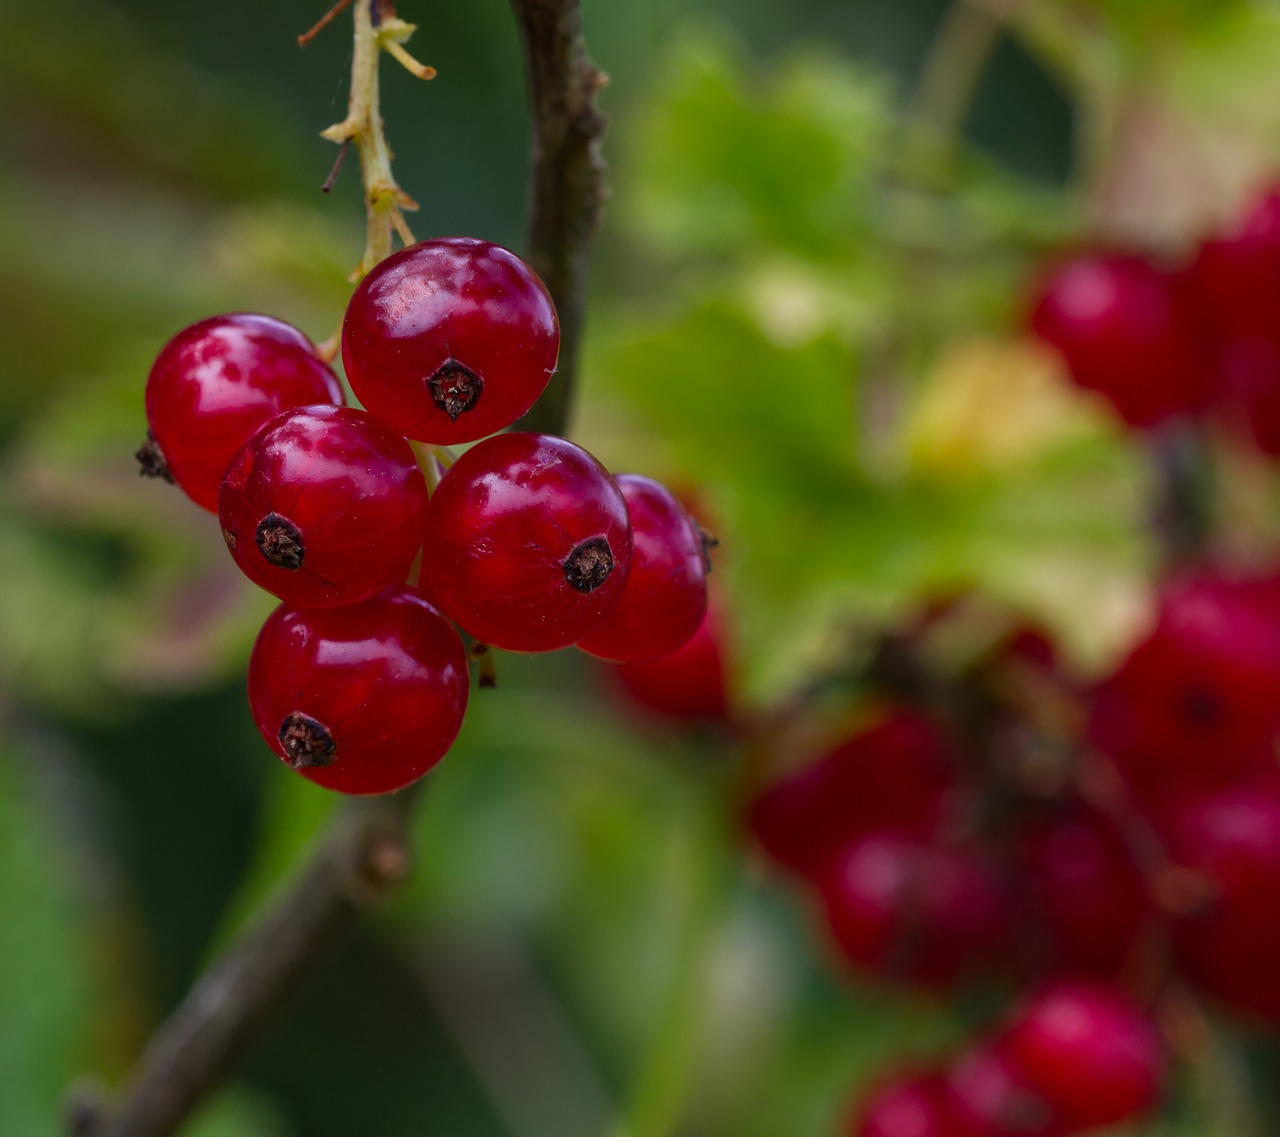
(365, 852)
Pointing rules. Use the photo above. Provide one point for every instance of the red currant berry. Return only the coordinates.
(928, 914)
(527, 542)
(1086, 1050)
(1237, 273)
(689, 685)
(214, 384)
(899, 775)
(1121, 326)
(1082, 888)
(665, 597)
(450, 340)
(909, 1105)
(1228, 939)
(1195, 703)
(362, 699)
(324, 505)
(988, 1099)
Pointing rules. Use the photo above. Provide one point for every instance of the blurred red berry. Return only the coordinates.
(1229, 939)
(908, 1105)
(929, 914)
(1083, 891)
(1088, 1051)
(898, 774)
(1237, 273)
(1195, 704)
(689, 685)
(1123, 329)
(989, 1100)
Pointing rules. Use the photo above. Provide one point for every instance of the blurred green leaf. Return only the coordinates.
(48, 992)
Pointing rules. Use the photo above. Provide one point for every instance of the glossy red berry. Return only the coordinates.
(1122, 328)
(214, 384)
(905, 909)
(527, 542)
(898, 774)
(689, 685)
(363, 699)
(450, 340)
(1086, 1050)
(665, 597)
(324, 505)
(1195, 703)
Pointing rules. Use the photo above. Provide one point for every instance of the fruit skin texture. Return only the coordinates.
(386, 678)
(689, 685)
(431, 320)
(1122, 328)
(217, 381)
(514, 519)
(1088, 1051)
(897, 774)
(665, 597)
(346, 485)
(925, 913)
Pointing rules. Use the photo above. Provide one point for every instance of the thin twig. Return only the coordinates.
(366, 852)
(327, 185)
(361, 858)
(567, 186)
(322, 23)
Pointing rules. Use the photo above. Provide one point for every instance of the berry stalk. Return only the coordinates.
(377, 29)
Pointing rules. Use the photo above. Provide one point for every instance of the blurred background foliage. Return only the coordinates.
(805, 311)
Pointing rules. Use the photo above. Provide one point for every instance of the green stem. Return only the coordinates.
(383, 198)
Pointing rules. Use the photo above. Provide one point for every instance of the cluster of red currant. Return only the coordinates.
(1196, 338)
(1110, 849)
(359, 680)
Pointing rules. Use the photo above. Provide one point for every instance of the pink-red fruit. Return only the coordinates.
(362, 699)
(665, 596)
(214, 384)
(450, 339)
(527, 542)
(323, 506)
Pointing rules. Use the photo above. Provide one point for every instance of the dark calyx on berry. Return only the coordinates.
(151, 463)
(306, 742)
(455, 389)
(589, 565)
(280, 541)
